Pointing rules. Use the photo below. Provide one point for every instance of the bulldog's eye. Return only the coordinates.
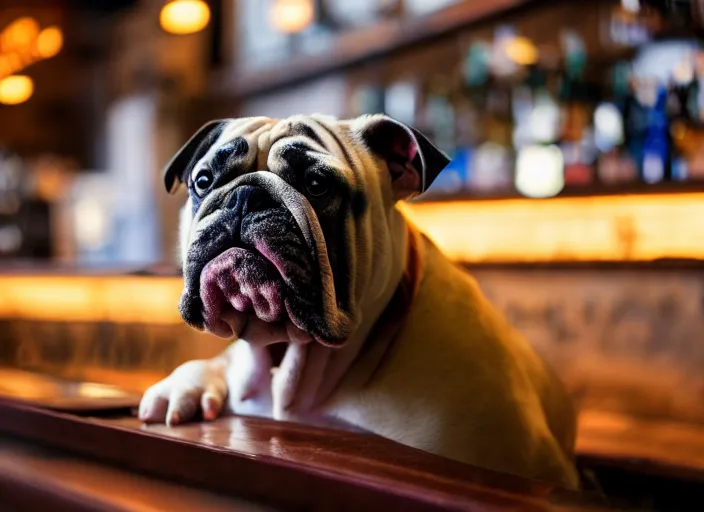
(203, 181)
(316, 185)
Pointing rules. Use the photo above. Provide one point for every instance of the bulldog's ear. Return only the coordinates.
(413, 161)
(182, 163)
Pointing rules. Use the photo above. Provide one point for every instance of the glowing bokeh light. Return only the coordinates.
(522, 51)
(183, 17)
(49, 42)
(540, 171)
(21, 33)
(291, 16)
(16, 89)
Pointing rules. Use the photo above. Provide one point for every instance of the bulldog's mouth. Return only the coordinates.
(267, 286)
(244, 295)
(258, 270)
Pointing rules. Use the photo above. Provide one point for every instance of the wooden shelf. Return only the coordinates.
(358, 45)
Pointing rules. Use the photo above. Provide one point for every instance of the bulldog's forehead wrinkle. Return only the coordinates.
(305, 130)
(244, 126)
(264, 147)
(280, 129)
(339, 143)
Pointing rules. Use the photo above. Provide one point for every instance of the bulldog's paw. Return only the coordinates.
(194, 386)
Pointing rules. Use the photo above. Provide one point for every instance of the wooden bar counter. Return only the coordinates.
(108, 460)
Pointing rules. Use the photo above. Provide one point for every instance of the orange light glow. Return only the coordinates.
(49, 42)
(607, 228)
(21, 33)
(522, 51)
(183, 17)
(16, 89)
(91, 299)
(23, 44)
(291, 16)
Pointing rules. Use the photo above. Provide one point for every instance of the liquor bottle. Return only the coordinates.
(656, 144)
(615, 164)
(686, 127)
(401, 101)
(577, 99)
(440, 124)
(678, 89)
(483, 150)
(539, 160)
(440, 113)
(493, 162)
(470, 110)
(367, 98)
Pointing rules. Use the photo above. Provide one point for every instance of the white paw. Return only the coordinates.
(194, 386)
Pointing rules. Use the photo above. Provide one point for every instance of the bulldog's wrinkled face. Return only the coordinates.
(278, 234)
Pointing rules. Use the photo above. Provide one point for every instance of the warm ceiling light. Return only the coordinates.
(184, 16)
(49, 42)
(16, 89)
(20, 34)
(291, 16)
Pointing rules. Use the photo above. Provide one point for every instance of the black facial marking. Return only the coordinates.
(200, 152)
(306, 131)
(298, 160)
(358, 204)
(222, 160)
(224, 166)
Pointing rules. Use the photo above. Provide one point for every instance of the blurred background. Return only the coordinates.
(532, 99)
(575, 194)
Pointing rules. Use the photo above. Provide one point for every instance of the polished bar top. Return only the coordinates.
(34, 478)
(283, 465)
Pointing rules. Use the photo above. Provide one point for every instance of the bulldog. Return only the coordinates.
(292, 245)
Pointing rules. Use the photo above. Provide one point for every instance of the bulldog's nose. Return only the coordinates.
(249, 199)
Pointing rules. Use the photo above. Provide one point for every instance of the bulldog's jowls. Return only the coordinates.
(291, 244)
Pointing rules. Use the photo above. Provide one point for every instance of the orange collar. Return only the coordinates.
(389, 323)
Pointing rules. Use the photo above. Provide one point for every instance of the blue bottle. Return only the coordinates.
(656, 146)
